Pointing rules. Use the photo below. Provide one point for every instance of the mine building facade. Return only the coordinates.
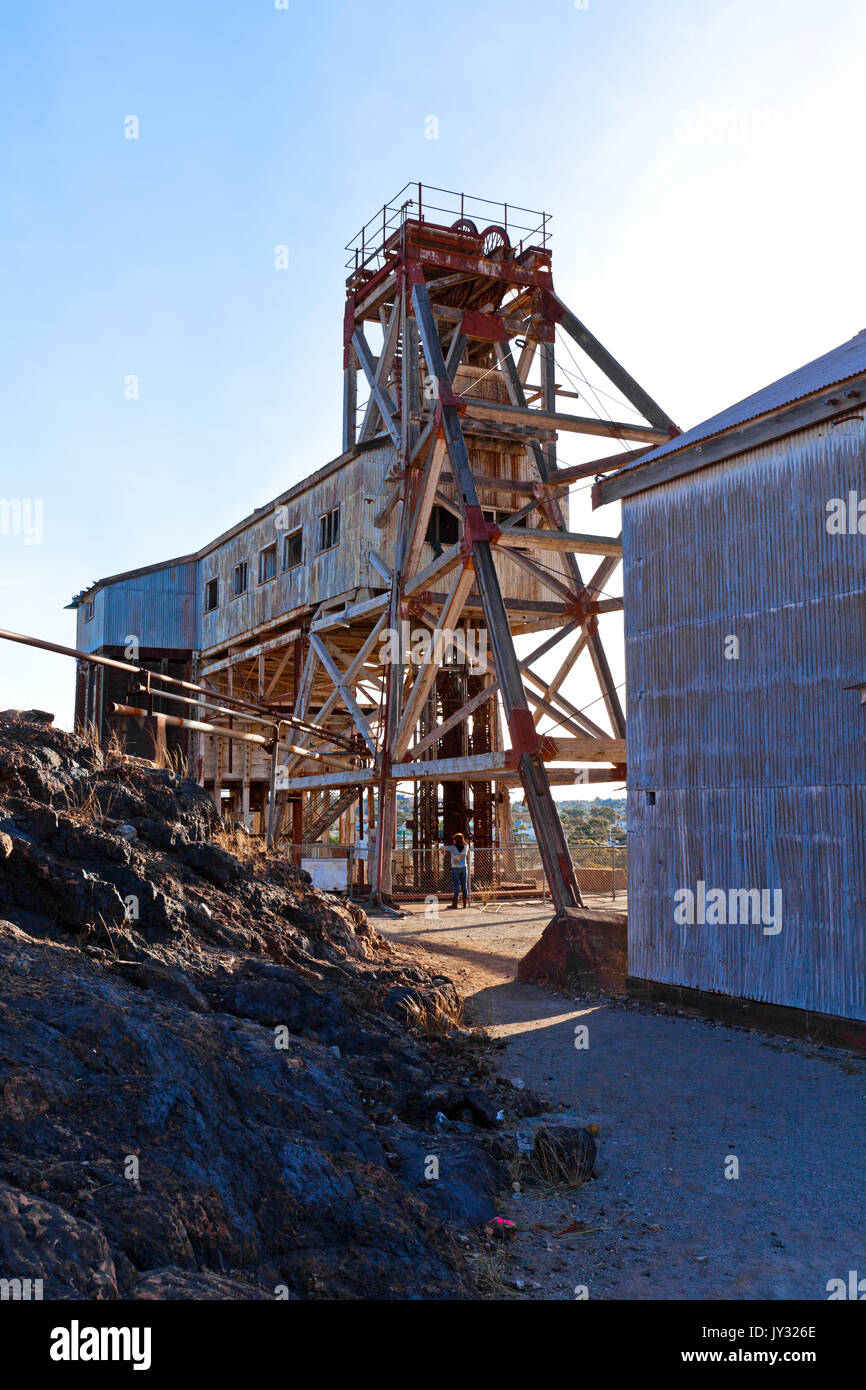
(445, 513)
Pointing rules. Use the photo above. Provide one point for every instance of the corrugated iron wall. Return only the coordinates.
(159, 608)
(757, 765)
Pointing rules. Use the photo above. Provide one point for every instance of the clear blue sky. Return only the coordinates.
(703, 162)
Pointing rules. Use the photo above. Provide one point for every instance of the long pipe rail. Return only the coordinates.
(255, 712)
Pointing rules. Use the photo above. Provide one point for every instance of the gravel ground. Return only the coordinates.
(674, 1098)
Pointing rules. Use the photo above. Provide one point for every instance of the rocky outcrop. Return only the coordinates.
(216, 1081)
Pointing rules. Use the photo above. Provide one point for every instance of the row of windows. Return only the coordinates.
(293, 555)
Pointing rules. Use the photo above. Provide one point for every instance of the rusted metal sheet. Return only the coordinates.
(745, 621)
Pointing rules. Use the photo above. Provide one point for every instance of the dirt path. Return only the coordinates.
(673, 1098)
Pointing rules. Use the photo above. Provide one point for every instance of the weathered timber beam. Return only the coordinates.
(422, 504)
(458, 717)
(544, 577)
(476, 409)
(576, 471)
(562, 711)
(251, 653)
(451, 611)
(589, 750)
(379, 566)
(383, 371)
(577, 543)
(442, 565)
(387, 408)
(348, 615)
(338, 679)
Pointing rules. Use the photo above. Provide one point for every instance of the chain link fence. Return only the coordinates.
(505, 872)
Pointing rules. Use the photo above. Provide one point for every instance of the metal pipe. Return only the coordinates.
(242, 705)
(175, 721)
(206, 704)
(119, 666)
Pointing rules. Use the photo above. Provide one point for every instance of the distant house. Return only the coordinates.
(744, 546)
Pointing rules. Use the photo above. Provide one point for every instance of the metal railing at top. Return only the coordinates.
(426, 203)
(508, 872)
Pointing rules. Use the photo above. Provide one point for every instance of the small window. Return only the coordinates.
(240, 578)
(329, 530)
(293, 550)
(443, 529)
(211, 595)
(88, 610)
(267, 563)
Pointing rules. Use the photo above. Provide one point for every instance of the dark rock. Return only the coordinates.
(177, 1283)
(213, 863)
(41, 1241)
(159, 1139)
(578, 951)
(170, 984)
(161, 834)
(464, 1194)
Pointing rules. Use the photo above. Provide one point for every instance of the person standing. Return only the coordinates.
(459, 851)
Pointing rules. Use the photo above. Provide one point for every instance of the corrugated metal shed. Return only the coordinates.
(749, 771)
(157, 605)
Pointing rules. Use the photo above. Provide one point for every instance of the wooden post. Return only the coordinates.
(350, 400)
(245, 785)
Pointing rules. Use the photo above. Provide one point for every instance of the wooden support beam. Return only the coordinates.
(345, 616)
(458, 717)
(350, 400)
(578, 543)
(550, 581)
(437, 569)
(338, 679)
(250, 653)
(551, 642)
(451, 611)
(475, 409)
(387, 408)
(391, 333)
(577, 471)
(422, 504)
(562, 711)
(281, 666)
(379, 566)
(589, 750)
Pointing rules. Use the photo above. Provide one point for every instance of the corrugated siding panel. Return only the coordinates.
(159, 608)
(758, 764)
